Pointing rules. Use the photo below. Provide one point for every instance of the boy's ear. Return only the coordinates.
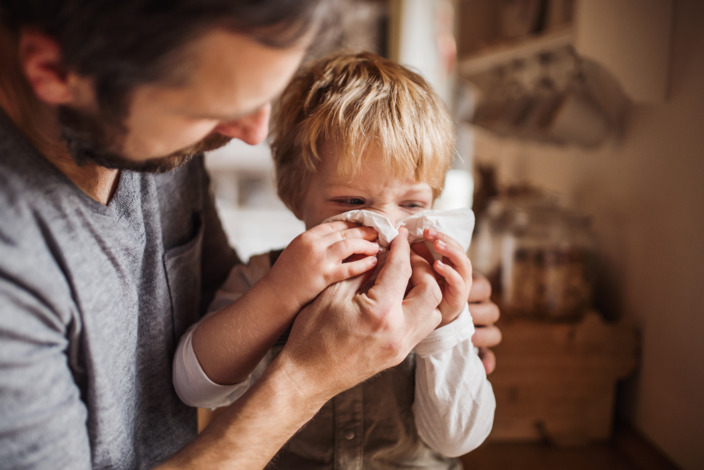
(40, 59)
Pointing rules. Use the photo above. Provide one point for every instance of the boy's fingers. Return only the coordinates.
(367, 233)
(342, 229)
(433, 235)
(452, 278)
(346, 248)
(357, 267)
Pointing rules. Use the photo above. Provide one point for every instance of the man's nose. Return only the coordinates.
(251, 129)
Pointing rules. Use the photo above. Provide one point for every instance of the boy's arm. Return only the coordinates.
(229, 343)
(339, 340)
(454, 405)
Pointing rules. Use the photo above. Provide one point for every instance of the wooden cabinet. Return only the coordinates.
(557, 382)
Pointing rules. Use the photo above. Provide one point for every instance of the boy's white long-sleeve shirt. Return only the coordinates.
(454, 402)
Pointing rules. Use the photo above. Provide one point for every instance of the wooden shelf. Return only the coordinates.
(629, 39)
(505, 53)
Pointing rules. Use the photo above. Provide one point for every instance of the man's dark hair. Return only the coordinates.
(124, 43)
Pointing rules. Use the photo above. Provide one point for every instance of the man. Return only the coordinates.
(111, 246)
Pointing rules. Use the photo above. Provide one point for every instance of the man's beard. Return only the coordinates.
(91, 140)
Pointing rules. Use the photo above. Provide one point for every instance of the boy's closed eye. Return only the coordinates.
(415, 205)
(349, 201)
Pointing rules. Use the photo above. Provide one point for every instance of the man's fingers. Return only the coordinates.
(394, 275)
(488, 360)
(481, 288)
(486, 337)
(484, 313)
(420, 303)
(420, 315)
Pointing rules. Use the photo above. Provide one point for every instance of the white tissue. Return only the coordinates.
(456, 223)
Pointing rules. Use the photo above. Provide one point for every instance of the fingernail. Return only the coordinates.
(440, 244)
(432, 232)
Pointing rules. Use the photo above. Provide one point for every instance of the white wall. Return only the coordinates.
(646, 193)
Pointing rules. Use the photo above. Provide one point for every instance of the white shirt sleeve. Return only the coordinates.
(193, 386)
(454, 404)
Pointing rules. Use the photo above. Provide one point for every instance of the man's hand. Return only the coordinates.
(346, 336)
(484, 313)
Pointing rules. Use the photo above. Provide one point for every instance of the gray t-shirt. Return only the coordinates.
(93, 299)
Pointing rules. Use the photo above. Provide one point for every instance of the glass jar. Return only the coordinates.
(547, 264)
(502, 216)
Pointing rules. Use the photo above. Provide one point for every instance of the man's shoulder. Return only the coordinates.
(26, 190)
(19, 196)
(24, 174)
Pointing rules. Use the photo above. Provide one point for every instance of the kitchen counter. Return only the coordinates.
(626, 450)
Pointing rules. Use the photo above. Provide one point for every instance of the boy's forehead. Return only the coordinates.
(348, 163)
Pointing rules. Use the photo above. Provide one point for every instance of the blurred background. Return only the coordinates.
(580, 149)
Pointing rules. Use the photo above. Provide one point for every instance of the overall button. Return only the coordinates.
(349, 435)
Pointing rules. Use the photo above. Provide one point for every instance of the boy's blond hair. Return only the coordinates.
(355, 100)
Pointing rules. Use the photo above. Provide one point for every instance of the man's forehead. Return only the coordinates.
(230, 75)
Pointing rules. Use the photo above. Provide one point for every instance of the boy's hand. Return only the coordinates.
(453, 271)
(317, 258)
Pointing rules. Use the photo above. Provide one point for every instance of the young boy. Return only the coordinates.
(353, 132)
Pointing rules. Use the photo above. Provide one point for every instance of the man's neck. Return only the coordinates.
(96, 181)
(39, 124)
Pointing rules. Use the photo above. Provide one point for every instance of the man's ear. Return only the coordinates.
(40, 59)
(296, 209)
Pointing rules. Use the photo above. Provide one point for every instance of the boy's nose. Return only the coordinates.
(251, 129)
(394, 216)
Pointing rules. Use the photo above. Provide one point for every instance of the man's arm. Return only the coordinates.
(248, 433)
(341, 339)
(42, 417)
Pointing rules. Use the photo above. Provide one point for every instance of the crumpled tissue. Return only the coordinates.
(456, 223)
